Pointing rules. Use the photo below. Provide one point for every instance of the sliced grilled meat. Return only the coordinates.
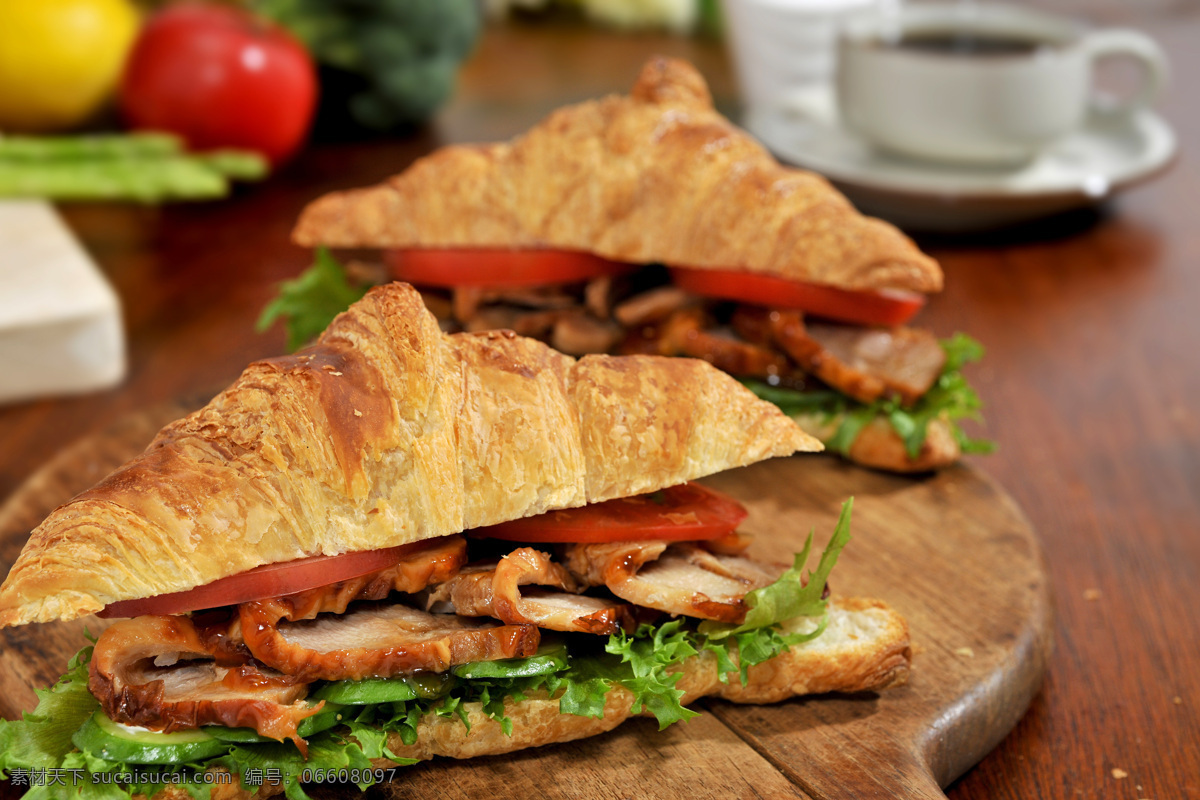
(906, 360)
(376, 640)
(433, 561)
(156, 672)
(865, 363)
(537, 324)
(684, 334)
(599, 294)
(552, 601)
(676, 578)
(580, 333)
(753, 323)
(468, 300)
(652, 306)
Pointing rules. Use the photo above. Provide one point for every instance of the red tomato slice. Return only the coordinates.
(883, 307)
(500, 268)
(682, 513)
(269, 580)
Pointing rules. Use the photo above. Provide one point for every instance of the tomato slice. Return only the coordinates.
(681, 513)
(269, 580)
(882, 307)
(448, 268)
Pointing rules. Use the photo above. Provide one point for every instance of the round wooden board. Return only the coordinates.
(952, 552)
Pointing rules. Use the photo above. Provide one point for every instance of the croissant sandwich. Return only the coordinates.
(649, 223)
(398, 544)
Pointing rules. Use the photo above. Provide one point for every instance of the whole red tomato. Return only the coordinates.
(220, 77)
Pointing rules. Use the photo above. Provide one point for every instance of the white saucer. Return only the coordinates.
(1083, 169)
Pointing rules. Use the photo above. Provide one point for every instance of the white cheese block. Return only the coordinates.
(60, 321)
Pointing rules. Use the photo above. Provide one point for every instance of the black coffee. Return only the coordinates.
(969, 43)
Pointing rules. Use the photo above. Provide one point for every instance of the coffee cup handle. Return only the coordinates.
(1123, 43)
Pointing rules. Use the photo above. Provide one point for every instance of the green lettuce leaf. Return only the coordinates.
(328, 750)
(403, 720)
(310, 302)
(42, 738)
(763, 644)
(371, 738)
(493, 706)
(722, 649)
(586, 686)
(649, 654)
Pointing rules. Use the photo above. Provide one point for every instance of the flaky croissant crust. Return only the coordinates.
(385, 432)
(655, 176)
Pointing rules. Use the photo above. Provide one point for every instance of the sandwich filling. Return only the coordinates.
(567, 606)
(834, 360)
(649, 223)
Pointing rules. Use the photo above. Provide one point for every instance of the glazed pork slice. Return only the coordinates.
(865, 363)
(684, 333)
(652, 306)
(580, 333)
(428, 562)
(676, 578)
(907, 360)
(157, 672)
(376, 640)
(551, 599)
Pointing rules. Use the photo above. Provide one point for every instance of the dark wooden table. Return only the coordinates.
(1092, 382)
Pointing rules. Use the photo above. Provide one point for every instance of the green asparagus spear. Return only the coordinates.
(45, 148)
(149, 180)
(150, 167)
(240, 165)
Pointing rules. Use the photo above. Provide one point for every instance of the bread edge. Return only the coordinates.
(879, 446)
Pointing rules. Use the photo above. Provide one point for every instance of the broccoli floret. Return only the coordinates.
(409, 93)
(437, 27)
(407, 51)
(386, 48)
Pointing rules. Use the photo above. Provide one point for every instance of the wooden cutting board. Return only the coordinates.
(952, 552)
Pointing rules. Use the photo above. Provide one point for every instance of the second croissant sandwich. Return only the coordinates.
(648, 223)
(399, 544)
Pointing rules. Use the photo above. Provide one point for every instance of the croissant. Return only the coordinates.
(385, 432)
(655, 176)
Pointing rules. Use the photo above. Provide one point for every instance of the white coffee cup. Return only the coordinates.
(979, 83)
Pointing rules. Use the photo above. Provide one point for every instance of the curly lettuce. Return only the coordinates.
(792, 595)
(309, 303)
